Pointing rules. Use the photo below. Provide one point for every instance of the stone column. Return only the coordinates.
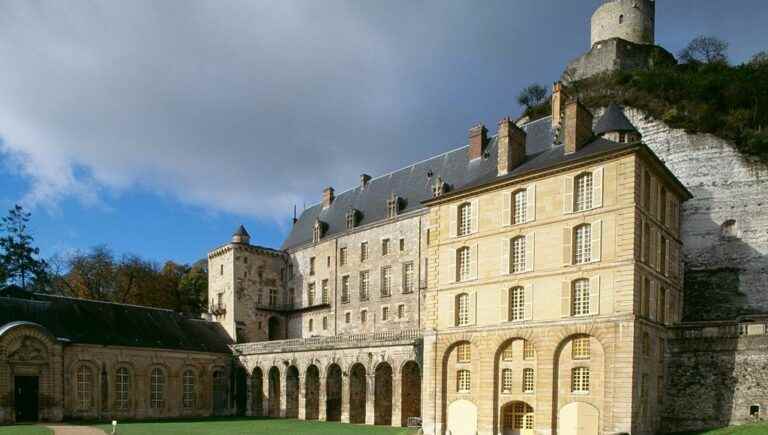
(248, 394)
(370, 397)
(397, 405)
(322, 398)
(430, 382)
(283, 392)
(483, 388)
(302, 387)
(345, 392)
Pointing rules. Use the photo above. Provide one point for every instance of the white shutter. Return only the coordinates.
(473, 261)
(528, 299)
(654, 192)
(531, 203)
(597, 188)
(530, 244)
(473, 308)
(451, 265)
(506, 208)
(475, 215)
(453, 212)
(567, 246)
(652, 300)
(504, 266)
(451, 302)
(567, 194)
(565, 299)
(594, 295)
(597, 239)
(658, 250)
(666, 260)
(504, 306)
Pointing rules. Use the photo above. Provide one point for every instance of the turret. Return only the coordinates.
(631, 20)
(241, 236)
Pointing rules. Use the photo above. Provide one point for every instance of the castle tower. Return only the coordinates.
(630, 20)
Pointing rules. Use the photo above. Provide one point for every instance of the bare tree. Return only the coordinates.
(705, 49)
(532, 96)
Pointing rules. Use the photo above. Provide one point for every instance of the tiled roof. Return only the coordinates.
(613, 120)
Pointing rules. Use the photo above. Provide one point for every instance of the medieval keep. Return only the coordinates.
(535, 281)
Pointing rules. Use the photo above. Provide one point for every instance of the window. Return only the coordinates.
(343, 256)
(583, 192)
(580, 348)
(516, 304)
(188, 389)
(463, 381)
(465, 219)
(393, 206)
(621, 19)
(647, 242)
(347, 317)
(408, 277)
(583, 244)
(345, 289)
(462, 309)
(663, 205)
(386, 281)
(529, 352)
(646, 344)
(219, 388)
(324, 292)
(580, 380)
(661, 305)
(520, 207)
(647, 191)
(363, 252)
(221, 270)
(463, 268)
(291, 296)
(518, 254)
(364, 282)
(402, 245)
(518, 416)
(508, 354)
(384, 314)
(351, 218)
(157, 388)
(663, 255)
(311, 325)
(272, 297)
(84, 387)
(506, 381)
(312, 265)
(317, 231)
(311, 293)
(384, 246)
(529, 380)
(363, 316)
(328, 261)
(122, 388)
(325, 323)
(400, 311)
(580, 298)
(463, 353)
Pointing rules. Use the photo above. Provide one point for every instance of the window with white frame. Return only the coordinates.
(516, 304)
(517, 254)
(157, 388)
(518, 416)
(84, 387)
(583, 192)
(342, 256)
(386, 281)
(580, 348)
(580, 298)
(462, 309)
(324, 298)
(272, 297)
(463, 353)
(345, 289)
(464, 219)
(463, 266)
(188, 389)
(529, 352)
(506, 381)
(463, 381)
(529, 380)
(520, 207)
(311, 293)
(580, 380)
(364, 285)
(583, 244)
(408, 277)
(363, 252)
(122, 388)
(393, 206)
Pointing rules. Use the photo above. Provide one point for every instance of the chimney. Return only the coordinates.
(559, 97)
(478, 139)
(327, 197)
(577, 126)
(364, 179)
(511, 142)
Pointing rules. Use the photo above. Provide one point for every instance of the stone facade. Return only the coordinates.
(630, 20)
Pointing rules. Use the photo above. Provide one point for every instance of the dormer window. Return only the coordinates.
(393, 206)
(351, 218)
(439, 187)
(317, 231)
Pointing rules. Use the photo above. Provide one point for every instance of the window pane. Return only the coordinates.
(583, 244)
(583, 194)
(520, 203)
(465, 219)
(518, 254)
(516, 304)
(580, 298)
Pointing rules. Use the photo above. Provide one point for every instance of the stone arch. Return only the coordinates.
(241, 390)
(257, 392)
(274, 391)
(517, 418)
(85, 379)
(382, 388)
(312, 393)
(333, 393)
(124, 380)
(578, 418)
(292, 392)
(517, 364)
(157, 398)
(219, 389)
(358, 388)
(462, 417)
(410, 391)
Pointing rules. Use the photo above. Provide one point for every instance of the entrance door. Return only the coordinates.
(26, 398)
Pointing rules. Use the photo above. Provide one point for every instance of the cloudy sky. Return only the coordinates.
(157, 126)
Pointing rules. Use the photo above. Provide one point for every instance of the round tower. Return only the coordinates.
(241, 236)
(631, 20)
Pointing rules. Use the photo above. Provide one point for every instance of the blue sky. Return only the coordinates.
(157, 127)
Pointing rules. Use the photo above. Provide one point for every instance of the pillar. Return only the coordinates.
(397, 396)
(431, 386)
(322, 397)
(302, 387)
(283, 392)
(370, 395)
(345, 392)
(249, 393)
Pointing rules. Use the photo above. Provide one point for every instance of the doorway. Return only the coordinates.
(26, 398)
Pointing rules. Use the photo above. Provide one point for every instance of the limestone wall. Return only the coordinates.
(632, 20)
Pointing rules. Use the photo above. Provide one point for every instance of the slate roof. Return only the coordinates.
(613, 120)
(102, 323)
(241, 232)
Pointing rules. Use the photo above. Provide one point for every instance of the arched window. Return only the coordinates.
(463, 381)
(506, 381)
(580, 298)
(463, 266)
(518, 416)
(583, 192)
(219, 389)
(84, 387)
(188, 389)
(516, 304)
(462, 309)
(529, 380)
(122, 388)
(583, 244)
(518, 254)
(580, 380)
(465, 219)
(520, 204)
(157, 388)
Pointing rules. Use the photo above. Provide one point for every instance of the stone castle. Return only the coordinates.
(591, 272)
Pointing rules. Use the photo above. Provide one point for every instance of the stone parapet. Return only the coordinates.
(375, 339)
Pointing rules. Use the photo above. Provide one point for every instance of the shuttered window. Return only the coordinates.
(518, 255)
(516, 304)
(583, 192)
(583, 244)
(463, 264)
(462, 309)
(465, 219)
(580, 298)
(520, 207)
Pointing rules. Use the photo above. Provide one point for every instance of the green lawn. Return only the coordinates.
(250, 426)
(747, 429)
(25, 430)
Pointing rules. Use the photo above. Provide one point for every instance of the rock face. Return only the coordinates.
(725, 225)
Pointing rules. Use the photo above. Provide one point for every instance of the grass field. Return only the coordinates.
(749, 429)
(24, 430)
(250, 426)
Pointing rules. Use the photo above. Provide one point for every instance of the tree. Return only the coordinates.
(705, 49)
(759, 59)
(19, 257)
(532, 96)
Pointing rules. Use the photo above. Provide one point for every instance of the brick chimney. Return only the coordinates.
(577, 126)
(327, 197)
(478, 139)
(364, 179)
(511, 143)
(559, 98)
